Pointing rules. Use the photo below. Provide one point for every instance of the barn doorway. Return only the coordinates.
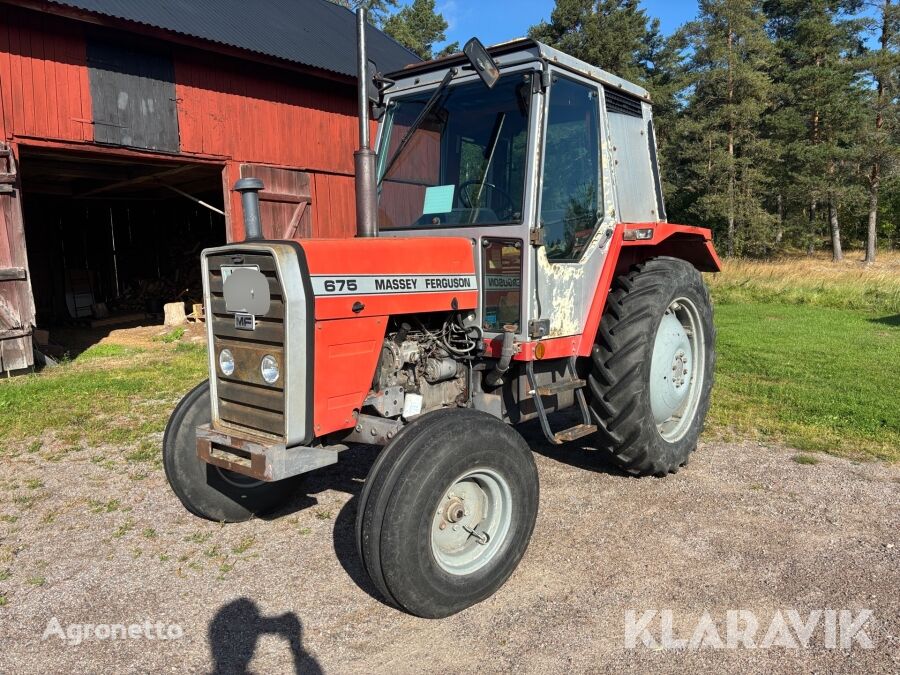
(112, 238)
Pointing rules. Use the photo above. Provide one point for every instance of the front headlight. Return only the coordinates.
(226, 362)
(268, 367)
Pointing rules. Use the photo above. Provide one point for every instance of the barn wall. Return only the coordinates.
(287, 120)
(250, 114)
(43, 77)
(228, 108)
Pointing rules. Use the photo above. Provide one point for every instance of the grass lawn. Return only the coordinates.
(110, 394)
(816, 378)
(808, 355)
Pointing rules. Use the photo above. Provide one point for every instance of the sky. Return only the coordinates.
(493, 21)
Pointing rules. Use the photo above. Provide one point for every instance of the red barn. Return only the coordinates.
(123, 125)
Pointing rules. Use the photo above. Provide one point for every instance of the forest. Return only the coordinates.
(778, 121)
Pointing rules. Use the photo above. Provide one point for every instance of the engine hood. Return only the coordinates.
(389, 276)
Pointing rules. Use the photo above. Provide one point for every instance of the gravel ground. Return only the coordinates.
(95, 539)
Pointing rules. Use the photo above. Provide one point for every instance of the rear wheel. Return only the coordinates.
(652, 367)
(447, 512)
(205, 490)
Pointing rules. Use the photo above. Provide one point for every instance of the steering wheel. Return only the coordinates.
(508, 205)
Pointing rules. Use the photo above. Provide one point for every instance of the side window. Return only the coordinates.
(571, 193)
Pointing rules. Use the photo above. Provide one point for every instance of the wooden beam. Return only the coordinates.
(135, 181)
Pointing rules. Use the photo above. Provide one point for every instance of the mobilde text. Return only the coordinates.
(742, 629)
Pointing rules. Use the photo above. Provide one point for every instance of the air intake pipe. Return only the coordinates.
(249, 189)
(364, 158)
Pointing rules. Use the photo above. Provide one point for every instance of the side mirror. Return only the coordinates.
(372, 91)
(482, 62)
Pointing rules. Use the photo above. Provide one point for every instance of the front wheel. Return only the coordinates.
(206, 490)
(652, 367)
(447, 512)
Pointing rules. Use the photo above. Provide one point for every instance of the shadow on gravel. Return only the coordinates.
(235, 631)
(578, 453)
(349, 474)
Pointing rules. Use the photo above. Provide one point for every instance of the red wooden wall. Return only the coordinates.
(229, 109)
(43, 77)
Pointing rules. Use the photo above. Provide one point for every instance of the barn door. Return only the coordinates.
(285, 202)
(16, 301)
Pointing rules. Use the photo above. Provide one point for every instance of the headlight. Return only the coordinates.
(269, 369)
(226, 362)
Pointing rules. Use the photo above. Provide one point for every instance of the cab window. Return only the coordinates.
(570, 197)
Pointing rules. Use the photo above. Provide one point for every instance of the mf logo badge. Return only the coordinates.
(246, 291)
(245, 322)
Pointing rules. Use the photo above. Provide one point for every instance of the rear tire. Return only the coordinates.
(652, 367)
(205, 490)
(447, 512)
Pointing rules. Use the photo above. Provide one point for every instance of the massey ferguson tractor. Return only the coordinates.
(512, 260)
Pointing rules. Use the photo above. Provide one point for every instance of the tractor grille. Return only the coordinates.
(245, 400)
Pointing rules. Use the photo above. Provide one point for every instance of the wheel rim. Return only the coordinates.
(677, 369)
(471, 521)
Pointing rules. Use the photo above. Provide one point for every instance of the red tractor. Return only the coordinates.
(513, 259)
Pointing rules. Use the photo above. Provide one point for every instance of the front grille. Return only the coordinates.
(244, 400)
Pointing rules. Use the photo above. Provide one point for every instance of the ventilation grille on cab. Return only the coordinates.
(622, 104)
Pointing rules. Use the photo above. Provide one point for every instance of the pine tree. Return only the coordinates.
(883, 65)
(726, 158)
(379, 10)
(611, 34)
(822, 105)
(418, 27)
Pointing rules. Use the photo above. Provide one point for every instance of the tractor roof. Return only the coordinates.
(508, 53)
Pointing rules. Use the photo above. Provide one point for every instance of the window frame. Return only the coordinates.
(556, 74)
(384, 136)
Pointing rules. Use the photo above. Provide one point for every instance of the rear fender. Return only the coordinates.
(693, 244)
(686, 242)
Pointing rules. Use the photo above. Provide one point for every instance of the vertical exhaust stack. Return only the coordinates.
(249, 189)
(364, 158)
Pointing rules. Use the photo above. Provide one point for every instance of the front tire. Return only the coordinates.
(447, 512)
(205, 490)
(652, 367)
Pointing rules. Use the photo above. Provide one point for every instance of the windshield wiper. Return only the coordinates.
(421, 118)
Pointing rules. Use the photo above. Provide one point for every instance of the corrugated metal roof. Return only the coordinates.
(314, 33)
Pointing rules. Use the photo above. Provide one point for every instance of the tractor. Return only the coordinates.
(512, 260)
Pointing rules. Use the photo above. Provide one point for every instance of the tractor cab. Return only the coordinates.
(536, 166)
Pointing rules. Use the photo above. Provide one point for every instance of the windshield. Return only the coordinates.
(463, 165)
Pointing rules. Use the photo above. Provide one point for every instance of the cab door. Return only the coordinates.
(576, 213)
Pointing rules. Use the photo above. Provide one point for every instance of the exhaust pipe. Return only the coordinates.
(364, 158)
(249, 189)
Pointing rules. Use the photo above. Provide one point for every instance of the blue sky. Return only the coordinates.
(494, 21)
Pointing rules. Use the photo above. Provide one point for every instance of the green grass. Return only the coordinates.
(173, 335)
(816, 378)
(106, 350)
(120, 398)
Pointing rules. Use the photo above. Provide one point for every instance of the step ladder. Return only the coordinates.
(569, 382)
